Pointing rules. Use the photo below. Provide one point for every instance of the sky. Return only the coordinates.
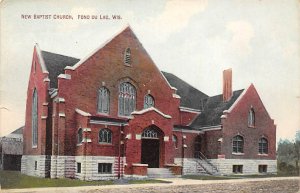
(194, 39)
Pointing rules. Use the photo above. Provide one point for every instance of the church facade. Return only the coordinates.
(115, 114)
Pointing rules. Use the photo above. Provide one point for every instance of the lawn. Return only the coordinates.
(14, 179)
(195, 177)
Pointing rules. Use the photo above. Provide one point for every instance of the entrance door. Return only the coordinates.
(150, 152)
(197, 147)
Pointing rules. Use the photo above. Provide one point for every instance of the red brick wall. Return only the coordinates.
(237, 123)
(189, 151)
(107, 66)
(36, 81)
(187, 117)
(211, 143)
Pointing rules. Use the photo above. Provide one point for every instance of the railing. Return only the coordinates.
(208, 167)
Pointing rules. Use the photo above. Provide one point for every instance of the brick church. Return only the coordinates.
(114, 114)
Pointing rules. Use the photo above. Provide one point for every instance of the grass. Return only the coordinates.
(235, 176)
(14, 179)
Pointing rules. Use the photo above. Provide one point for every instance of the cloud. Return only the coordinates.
(175, 16)
(242, 33)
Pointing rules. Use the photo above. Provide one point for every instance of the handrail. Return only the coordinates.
(201, 156)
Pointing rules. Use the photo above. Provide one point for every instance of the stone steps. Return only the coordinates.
(159, 173)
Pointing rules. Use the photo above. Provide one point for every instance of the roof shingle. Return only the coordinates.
(55, 64)
(190, 97)
(213, 110)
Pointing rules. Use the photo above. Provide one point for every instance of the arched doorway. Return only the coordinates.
(151, 141)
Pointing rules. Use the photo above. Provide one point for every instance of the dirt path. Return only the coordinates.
(261, 185)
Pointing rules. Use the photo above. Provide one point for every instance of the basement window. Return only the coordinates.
(104, 168)
(237, 169)
(262, 168)
(35, 165)
(78, 167)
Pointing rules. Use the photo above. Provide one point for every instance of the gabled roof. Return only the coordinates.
(18, 131)
(213, 110)
(190, 97)
(55, 64)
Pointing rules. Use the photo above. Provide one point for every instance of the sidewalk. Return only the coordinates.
(175, 182)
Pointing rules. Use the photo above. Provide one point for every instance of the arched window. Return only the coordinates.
(150, 134)
(105, 136)
(251, 118)
(34, 118)
(127, 57)
(148, 101)
(263, 146)
(103, 100)
(175, 141)
(238, 144)
(79, 136)
(127, 97)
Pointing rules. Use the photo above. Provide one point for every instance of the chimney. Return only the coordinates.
(227, 84)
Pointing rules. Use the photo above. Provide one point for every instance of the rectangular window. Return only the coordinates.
(262, 168)
(78, 167)
(104, 168)
(35, 165)
(237, 169)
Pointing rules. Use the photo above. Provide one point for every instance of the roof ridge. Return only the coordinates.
(184, 82)
(222, 94)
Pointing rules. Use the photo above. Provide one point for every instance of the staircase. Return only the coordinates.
(159, 173)
(204, 166)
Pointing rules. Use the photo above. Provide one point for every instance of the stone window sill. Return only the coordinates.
(262, 154)
(106, 144)
(238, 153)
(79, 144)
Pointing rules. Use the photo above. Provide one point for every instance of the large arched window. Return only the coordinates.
(148, 101)
(79, 136)
(251, 118)
(105, 136)
(34, 118)
(238, 144)
(103, 100)
(127, 97)
(127, 57)
(263, 146)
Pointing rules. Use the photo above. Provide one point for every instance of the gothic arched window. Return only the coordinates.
(105, 136)
(148, 101)
(34, 118)
(103, 100)
(263, 146)
(238, 144)
(127, 97)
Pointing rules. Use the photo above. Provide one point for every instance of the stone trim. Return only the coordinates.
(28, 163)
(151, 109)
(80, 112)
(250, 166)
